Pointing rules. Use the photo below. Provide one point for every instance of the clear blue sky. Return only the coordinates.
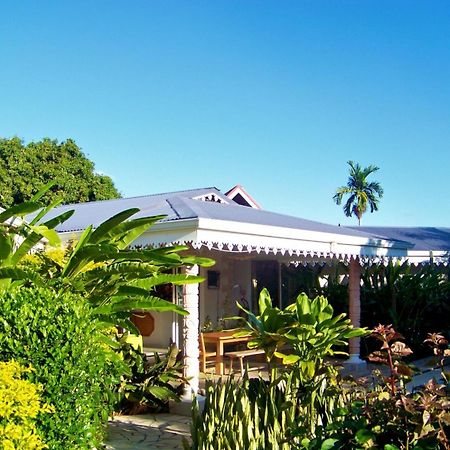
(273, 95)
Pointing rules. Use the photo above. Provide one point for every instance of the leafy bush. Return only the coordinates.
(150, 382)
(56, 334)
(386, 415)
(414, 299)
(20, 405)
(304, 395)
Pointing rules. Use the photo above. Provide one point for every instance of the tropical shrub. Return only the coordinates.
(415, 300)
(56, 333)
(386, 415)
(59, 305)
(308, 329)
(302, 395)
(20, 406)
(149, 383)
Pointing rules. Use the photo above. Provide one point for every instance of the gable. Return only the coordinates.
(240, 196)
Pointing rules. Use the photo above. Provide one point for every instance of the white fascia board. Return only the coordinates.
(170, 232)
(203, 230)
(426, 256)
(67, 236)
(211, 230)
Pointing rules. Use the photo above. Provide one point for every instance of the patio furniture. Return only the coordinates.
(150, 351)
(220, 339)
(204, 355)
(240, 355)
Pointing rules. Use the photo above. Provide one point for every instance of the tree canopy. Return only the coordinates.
(25, 169)
(361, 193)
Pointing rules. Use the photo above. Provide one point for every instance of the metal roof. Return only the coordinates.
(207, 217)
(421, 238)
(182, 205)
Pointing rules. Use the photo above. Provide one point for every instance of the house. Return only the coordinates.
(250, 246)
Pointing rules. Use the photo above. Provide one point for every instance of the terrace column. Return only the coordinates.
(354, 290)
(191, 351)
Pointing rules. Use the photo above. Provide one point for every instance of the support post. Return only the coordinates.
(354, 292)
(191, 352)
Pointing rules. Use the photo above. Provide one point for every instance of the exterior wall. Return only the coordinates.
(161, 336)
(235, 283)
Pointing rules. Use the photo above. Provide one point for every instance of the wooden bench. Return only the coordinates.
(150, 352)
(241, 354)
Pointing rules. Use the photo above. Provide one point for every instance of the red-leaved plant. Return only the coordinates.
(390, 354)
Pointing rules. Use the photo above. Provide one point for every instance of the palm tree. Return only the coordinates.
(362, 194)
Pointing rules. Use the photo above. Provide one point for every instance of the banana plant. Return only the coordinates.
(115, 278)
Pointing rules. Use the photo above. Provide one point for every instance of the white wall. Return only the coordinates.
(160, 338)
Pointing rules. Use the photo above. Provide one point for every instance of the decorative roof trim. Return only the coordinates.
(210, 197)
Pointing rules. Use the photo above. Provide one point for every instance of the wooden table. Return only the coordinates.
(220, 339)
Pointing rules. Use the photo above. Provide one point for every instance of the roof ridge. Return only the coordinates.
(143, 196)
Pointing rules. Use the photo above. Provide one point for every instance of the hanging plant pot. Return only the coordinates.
(144, 321)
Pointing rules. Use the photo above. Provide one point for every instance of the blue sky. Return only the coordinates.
(274, 95)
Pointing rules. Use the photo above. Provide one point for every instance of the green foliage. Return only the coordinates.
(387, 416)
(56, 333)
(150, 382)
(246, 415)
(414, 299)
(24, 169)
(308, 328)
(100, 266)
(20, 405)
(303, 395)
(267, 328)
(61, 329)
(362, 194)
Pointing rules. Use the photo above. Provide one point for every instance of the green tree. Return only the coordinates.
(24, 169)
(362, 194)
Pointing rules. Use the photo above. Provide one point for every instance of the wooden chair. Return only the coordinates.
(204, 354)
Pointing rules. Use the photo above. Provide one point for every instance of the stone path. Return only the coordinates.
(149, 432)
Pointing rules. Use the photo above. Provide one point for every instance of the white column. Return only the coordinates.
(354, 290)
(190, 334)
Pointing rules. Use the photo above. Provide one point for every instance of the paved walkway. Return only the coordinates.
(149, 432)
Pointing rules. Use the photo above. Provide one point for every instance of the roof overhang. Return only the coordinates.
(295, 244)
(289, 243)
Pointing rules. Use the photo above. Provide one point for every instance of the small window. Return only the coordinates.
(213, 279)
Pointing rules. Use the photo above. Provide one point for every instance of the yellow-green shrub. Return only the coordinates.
(55, 332)
(20, 405)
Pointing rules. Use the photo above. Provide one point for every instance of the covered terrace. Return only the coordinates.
(244, 239)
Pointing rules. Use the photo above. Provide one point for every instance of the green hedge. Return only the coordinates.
(56, 335)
